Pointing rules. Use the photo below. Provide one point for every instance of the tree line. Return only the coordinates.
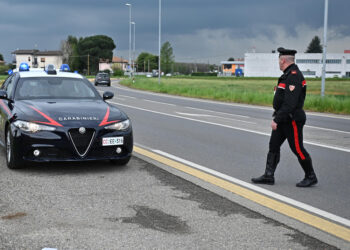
(84, 54)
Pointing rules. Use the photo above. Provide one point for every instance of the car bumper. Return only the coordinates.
(58, 146)
(103, 82)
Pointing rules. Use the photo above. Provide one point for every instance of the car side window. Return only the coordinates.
(8, 85)
(6, 82)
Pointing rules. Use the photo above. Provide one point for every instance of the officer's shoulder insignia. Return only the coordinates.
(291, 87)
(294, 72)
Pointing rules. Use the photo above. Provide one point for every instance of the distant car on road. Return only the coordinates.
(55, 116)
(103, 79)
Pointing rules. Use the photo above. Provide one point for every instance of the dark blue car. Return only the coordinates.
(49, 116)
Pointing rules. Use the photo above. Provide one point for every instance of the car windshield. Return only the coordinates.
(102, 75)
(55, 88)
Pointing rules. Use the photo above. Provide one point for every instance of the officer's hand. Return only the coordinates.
(273, 125)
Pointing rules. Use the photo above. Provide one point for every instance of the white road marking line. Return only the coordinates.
(193, 99)
(196, 115)
(206, 110)
(204, 115)
(131, 97)
(231, 127)
(266, 192)
(170, 104)
(328, 129)
(232, 119)
(230, 104)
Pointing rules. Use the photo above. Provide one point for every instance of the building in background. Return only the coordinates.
(117, 63)
(310, 64)
(38, 59)
(232, 68)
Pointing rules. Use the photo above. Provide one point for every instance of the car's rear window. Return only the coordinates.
(54, 88)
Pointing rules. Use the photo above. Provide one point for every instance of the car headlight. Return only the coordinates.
(32, 127)
(124, 125)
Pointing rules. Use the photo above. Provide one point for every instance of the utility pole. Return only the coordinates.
(133, 51)
(159, 39)
(129, 5)
(324, 47)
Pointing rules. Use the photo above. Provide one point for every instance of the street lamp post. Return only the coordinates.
(159, 39)
(133, 51)
(129, 5)
(323, 83)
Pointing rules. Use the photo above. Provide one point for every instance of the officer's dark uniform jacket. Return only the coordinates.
(289, 96)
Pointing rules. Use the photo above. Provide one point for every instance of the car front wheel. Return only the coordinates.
(11, 160)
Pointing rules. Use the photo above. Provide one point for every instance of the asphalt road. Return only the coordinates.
(233, 140)
(142, 206)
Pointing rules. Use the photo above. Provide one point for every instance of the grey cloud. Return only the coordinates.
(195, 28)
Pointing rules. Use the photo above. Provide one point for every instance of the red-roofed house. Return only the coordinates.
(117, 62)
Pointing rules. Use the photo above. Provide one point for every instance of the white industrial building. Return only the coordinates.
(310, 64)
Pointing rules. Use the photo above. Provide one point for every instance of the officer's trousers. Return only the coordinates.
(293, 132)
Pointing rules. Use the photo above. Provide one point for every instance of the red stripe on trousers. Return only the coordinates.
(296, 141)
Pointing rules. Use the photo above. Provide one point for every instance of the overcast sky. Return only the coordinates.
(198, 30)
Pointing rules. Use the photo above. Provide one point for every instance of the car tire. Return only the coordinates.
(96, 84)
(11, 161)
(121, 162)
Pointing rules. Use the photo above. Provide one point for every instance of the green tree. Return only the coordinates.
(230, 59)
(70, 52)
(1, 57)
(315, 46)
(92, 49)
(146, 62)
(167, 57)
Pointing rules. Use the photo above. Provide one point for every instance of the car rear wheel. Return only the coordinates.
(121, 162)
(11, 160)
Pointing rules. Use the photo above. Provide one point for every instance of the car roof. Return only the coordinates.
(42, 73)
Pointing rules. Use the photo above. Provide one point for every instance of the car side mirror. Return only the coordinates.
(3, 94)
(107, 95)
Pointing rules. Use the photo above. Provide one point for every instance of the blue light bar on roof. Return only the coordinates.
(24, 67)
(64, 67)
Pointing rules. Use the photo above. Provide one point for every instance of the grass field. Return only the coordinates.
(257, 91)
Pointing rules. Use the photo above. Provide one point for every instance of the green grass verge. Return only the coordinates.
(258, 91)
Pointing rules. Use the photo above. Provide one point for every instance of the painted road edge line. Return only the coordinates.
(278, 206)
(263, 191)
(335, 116)
(227, 126)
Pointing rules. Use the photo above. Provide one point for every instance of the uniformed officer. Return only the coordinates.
(288, 121)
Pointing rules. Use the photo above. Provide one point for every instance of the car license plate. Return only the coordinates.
(111, 141)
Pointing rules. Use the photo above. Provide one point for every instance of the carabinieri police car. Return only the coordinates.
(53, 115)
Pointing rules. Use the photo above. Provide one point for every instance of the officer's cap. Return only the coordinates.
(286, 52)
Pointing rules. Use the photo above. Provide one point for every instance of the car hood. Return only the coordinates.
(71, 113)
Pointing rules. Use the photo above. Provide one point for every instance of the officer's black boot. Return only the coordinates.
(271, 164)
(310, 176)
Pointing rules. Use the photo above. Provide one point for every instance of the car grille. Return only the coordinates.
(82, 142)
